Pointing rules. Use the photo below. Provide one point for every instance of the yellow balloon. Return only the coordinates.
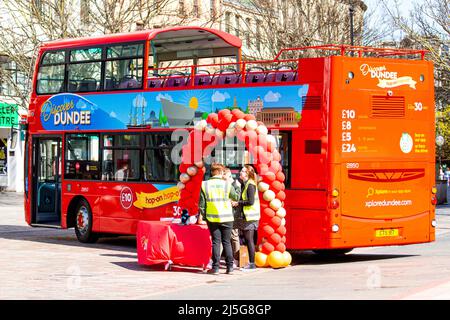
(287, 258)
(261, 260)
(276, 259)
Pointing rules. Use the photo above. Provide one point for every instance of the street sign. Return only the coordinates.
(8, 115)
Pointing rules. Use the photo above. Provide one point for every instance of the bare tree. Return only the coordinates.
(427, 26)
(30, 23)
(299, 23)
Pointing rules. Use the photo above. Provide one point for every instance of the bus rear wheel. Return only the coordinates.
(83, 223)
(332, 252)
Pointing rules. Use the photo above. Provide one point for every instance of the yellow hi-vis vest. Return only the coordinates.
(218, 204)
(251, 213)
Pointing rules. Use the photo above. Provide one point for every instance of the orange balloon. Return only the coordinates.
(281, 230)
(267, 231)
(280, 176)
(267, 248)
(280, 247)
(275, 239)
(275, 221)
(248, 117)
(276, 186)
(269, 212)
(281, 195)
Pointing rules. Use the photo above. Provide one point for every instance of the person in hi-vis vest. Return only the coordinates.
(250, 213)
(215, 207)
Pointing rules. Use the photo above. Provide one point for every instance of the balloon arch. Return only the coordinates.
(262, 146)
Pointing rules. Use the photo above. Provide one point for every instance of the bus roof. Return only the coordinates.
(184, 33)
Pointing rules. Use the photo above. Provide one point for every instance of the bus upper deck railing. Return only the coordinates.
(359, 50)
(260, 71)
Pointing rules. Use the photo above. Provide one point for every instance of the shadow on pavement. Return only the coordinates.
(134, 266)
(65, 237)
(310, 258)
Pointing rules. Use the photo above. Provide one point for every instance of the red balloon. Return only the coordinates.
(281, 195)
(251, 140)
(271, 146)
(280, 176)
(262, 141)
(267, 231)
(281, 230)
(275, 221)
(281, 247)
(275, 166)
(267, 248)
(283, 187)
(283, 239)
(242, 135)
(262, 168)
(269, 177)
(275, 238)
(237, 114)
(276, 155)
(269, 212)
(224, 112)
(248, 117)
(276, 186)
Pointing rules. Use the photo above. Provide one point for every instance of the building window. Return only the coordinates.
(227, 21)
(12, 80)
(212, 8)
(238, 25)
(197, 8)
(181, 11)
(248, 29)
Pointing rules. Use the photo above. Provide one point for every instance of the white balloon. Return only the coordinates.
(251, 125)
(240, 124)
(210, 131)
(231, 132)
(281, 212)
(262, 130)
(283, 221)
(232, 125)
(192, 171)
(262, 187)
(184, 177)
(269, 195)
(275, 204)
(271, 139)
(219, 133)
(201, 125)
(180, 185)
(199, 164)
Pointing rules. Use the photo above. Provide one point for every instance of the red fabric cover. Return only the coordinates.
(159, 242)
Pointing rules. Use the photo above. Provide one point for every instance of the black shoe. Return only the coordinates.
(213, 271)
(229, 271)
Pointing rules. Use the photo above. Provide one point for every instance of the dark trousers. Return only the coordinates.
(221, 233)
(250, 240)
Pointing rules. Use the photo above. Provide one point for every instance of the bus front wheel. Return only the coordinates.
(332, 252)
(83, 223)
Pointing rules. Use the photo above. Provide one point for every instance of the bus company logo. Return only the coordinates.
(67, 109)
(406, 142)
(386, 79)
(126, 198)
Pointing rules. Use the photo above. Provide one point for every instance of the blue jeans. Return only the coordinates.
(221, 233)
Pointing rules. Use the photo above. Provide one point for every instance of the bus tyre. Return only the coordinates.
(332, 252)
(83, 223)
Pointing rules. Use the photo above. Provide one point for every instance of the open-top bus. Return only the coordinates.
(354, 127)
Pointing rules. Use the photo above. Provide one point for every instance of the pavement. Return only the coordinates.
(45, 263)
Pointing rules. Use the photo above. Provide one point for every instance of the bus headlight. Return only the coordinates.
(335, 228)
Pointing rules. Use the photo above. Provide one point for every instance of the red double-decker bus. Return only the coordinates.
(354, 127)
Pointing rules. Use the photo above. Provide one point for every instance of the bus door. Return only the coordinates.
(46, 202)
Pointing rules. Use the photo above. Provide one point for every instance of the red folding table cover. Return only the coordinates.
(165, 242)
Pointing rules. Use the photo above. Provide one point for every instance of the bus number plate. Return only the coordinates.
(381, 233)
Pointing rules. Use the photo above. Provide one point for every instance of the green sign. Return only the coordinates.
(8, 115)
